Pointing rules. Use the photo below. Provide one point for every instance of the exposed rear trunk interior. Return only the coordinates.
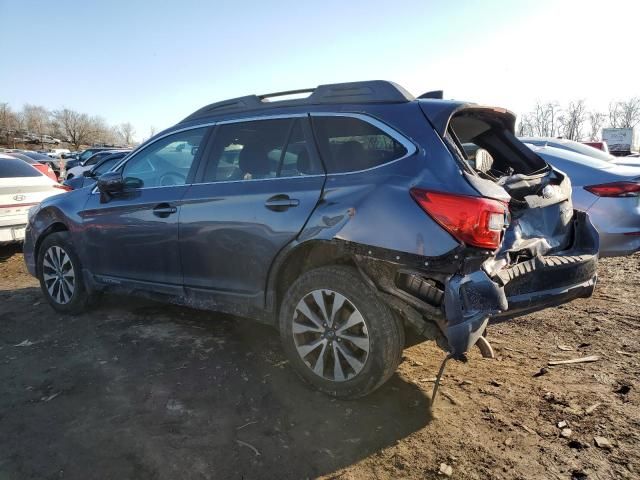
(499, 166)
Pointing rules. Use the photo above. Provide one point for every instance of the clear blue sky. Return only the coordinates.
(154, 62)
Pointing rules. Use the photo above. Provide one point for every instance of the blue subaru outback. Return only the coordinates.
(343, 218)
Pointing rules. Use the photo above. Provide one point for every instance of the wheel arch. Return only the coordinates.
(298, 259)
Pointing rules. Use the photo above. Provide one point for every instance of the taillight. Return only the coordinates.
(63, 187)
(475, 221)
(615, 189)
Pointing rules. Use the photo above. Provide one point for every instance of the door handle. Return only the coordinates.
(164, 210)
(280, 203)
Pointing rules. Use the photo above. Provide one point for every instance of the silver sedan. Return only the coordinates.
(610, 193)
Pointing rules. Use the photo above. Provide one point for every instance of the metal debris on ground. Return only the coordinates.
(590, 358)
(25, 343)
(565, 348)
(248, 445)
(436, 384)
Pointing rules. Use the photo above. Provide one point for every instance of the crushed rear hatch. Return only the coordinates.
(548, 250)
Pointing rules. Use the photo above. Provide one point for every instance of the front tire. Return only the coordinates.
(60, 274)
(338, 334)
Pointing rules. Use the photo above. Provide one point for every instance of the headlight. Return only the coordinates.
(32, 211)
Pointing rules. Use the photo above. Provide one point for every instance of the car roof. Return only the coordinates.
(373, 92)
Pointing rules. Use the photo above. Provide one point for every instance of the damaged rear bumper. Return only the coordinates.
(474, 299)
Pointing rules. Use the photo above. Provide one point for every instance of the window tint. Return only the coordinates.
(259, 149)
(106, 165)
(166, 162)
(13, 168)
(96, 158)
(349, 144)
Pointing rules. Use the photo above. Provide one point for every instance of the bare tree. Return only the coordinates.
(573, 119)
(75, 127)
(126, 132)
(545, 119)
(37, 119)
(624, 114)
(596, 122)
(152, 131)
(8, 122)
(525, 126)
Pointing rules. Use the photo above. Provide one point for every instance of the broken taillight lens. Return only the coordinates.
(476, 221)
(615, 189)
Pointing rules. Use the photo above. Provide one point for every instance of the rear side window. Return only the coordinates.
(13, 168)
(258, 150)
(350, 144)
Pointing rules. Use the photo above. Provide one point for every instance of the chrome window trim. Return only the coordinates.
(404, 141)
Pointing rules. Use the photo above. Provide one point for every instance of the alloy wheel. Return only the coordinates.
(331, 335)
(58, 274)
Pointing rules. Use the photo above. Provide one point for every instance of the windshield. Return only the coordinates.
(86, 154)
(96, 158)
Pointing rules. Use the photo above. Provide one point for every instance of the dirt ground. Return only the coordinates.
(135, 389)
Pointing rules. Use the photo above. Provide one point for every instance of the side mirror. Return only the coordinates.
(110, 184)
(88, 173)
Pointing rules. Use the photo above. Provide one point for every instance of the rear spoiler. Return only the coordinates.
(441, 112)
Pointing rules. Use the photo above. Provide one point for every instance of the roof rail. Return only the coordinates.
(373, 91)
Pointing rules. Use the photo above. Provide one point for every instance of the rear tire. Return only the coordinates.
(60, 274)
(338, 334)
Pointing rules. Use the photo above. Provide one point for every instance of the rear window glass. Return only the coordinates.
(349, 144)
(10, 168)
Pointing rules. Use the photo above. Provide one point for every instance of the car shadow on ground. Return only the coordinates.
(136, 389)
(8, 251)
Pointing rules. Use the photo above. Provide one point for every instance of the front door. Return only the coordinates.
(134, 235)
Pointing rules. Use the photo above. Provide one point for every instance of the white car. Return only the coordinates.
(57, 152)
(21, 187)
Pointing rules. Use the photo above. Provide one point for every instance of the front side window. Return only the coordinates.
(350, 144)
(258, 150)
(166, 162)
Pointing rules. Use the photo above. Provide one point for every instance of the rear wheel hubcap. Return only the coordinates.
(58, 274)
(330, 335)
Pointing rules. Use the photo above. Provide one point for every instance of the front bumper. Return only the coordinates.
(11, 234)
(28, 250)
(473, 300)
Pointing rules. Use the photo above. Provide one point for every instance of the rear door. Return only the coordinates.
(134, 235)
(257, 188)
